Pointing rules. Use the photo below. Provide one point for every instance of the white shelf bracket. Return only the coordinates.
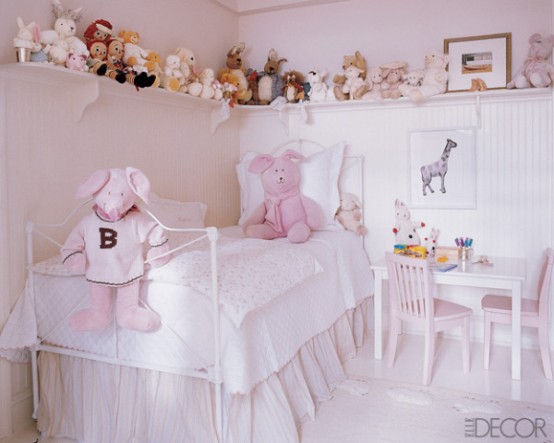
(218, 115)
(87, 95)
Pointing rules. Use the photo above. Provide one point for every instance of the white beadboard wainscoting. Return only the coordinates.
(58, 126)
(514, 170)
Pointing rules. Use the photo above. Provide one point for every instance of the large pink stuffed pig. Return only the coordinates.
(107, 245)
(285, 212)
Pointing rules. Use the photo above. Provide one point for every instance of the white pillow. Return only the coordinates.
(320, 176)
(177, 214)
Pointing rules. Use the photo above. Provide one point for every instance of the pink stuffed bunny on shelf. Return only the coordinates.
(285, 212)
(537, 70)
(107, 245)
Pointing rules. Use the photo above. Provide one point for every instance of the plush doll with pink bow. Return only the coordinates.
(107, 245)
(285, 212)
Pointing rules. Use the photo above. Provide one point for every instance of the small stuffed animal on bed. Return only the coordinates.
(537, 71)
(405, 229)
(349, 213)
(107, 245)
(285, 212)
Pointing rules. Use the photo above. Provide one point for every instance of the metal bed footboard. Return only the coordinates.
(213, 374)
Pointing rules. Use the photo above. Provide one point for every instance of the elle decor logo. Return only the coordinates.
(504, 429)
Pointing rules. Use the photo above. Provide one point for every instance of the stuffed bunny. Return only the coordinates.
(270, 82)
(405, 229)
(285, 211)
(537, 70)
(26, 36)
(61, 40)
(107, 245)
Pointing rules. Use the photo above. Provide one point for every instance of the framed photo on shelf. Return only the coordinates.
(442, 168)
(485, 57)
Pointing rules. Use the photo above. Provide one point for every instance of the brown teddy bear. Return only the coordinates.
(294, 86)
(350, 60)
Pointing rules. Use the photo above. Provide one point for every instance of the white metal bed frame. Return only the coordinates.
(212, 374)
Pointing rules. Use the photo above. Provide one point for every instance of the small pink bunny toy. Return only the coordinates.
(107, 245)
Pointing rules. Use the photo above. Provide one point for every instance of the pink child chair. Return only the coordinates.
(534, 314)
(412, 300)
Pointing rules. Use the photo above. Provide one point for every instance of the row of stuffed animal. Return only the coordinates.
(356, 82)
(120, 57)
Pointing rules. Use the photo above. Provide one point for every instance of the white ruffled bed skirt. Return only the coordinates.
(96, 402)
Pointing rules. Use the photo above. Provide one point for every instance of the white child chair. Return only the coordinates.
(534, 314)
(412, 300)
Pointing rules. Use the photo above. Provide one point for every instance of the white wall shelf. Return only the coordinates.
(450, 99)
(89, 87)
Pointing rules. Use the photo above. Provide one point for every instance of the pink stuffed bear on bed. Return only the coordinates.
(107, 245)
(285, 212)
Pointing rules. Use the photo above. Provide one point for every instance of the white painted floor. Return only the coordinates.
(408, 368)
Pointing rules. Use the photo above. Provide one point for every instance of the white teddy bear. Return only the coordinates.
(172, 78)
(353, 82)
(434, 80)
(349, 213)
(207, 80)
(318, 89)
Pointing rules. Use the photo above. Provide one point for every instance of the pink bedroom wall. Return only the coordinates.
(201, 25)
(318, 36)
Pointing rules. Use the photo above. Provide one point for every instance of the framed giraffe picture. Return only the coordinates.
(442, 168)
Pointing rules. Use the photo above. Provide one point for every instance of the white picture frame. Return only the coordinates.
(431, 153)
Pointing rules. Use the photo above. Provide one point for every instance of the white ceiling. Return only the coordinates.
(245, 7)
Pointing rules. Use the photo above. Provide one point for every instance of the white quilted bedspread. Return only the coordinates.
(245, 269)
(261, 329)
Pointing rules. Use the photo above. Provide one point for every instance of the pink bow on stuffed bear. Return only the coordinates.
(285, 212)
(108, 246)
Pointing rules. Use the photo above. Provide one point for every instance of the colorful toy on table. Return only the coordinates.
(431, 242)
(405, 229)
(411, 251)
